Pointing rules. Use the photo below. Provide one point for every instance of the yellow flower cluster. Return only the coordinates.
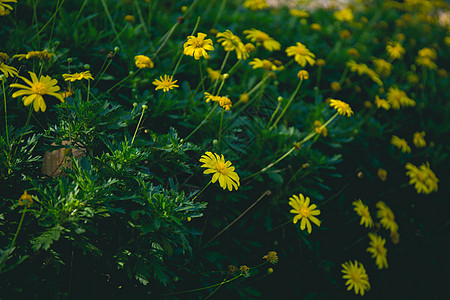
(224, 102)
(422, 177)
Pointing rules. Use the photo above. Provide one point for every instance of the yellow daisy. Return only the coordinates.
(304, 212)
(382, 103)
(8, 70)
(395, 50)
(265, 64)
(165, 83)
(6, 8)
(25, 199)
(78, 76)
(319, 129)
(301, 54)
(44, 54)
(423, 178)
(398, 98)
(197, 46)
(142, 62)
(344, 15)
(378, 251)
(363, 211)
(382, 67)
(356, 276)
(255, 4)
(213, 74)
(221, 170)
(342, 107)
(386, 216)
(45, 85)
(382, 174)
(231, 42)
(260, 37)
(401, 144)
(418, 139)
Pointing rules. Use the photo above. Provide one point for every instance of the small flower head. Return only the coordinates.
(320, 62)
(335, 86)
(401, 144)
(319, 129)
(255, 4)
(395, 50)
(143, 62)
(398, 98)
(344, 15)
(197, 46)
(263, 38)
(378, 251)
(304, 212)
(5, 9)
(130, 19)
(244, 271)
(213, 74)
(249, 47)
(303, 75)
(271, 257)
(301, 54)
(382, 67)
(244, 98)
(4, 57)
(221, 170)
(37, 88)
(167, 83)
(419, 139)
(342, 107)
(363, 211)
(299, 13)
(25, 199)
(44, 54)
(386, 216)
(232, 42)
(382, 174)
(423, 178)
(8, 70)
(265, 64)
(382, 103)
(78, 76)
(356, 276)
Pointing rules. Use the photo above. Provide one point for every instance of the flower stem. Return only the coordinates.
(144, 107)
(108, 15)
(203, 122)
(206, 287)
(220, 128)
(141, 17)
(15, 237)
(287, 105)
(6, 114)
(201, 75)
(201, 191)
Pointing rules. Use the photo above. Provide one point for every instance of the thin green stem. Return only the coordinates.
(204, 288)
(201, 75)
(167, 37)
(36, 22)
(58, 6)
(219, 13)
(81, 9)
(15, 237)
(111, 22)
(203, 122)
(274, 113)
(144, 107)
(196, 195)
(141, 17)
(287, 105)
(6, 114)
(120, 82)
(98, 78)
(220, 127)
(88, 91)
(221, 69)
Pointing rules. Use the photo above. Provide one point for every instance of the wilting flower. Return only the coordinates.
(197, 46)
(255, 4)
(363, 211)
(303, 75)
(398, 98)
(304, 211)
(382, 103)
(418, 139)
(25, 199)
(344, 15)
(44, 54)
(8, 70)
(142, 62)
(45, 85)
(263, 38)
(395, 50)
(377, 250)
(386, 216)
(231, 42)
(78, 76)
(301, 54)
(271, 257)
(130, 19)
(265, 64)
(401, 144)
(221, 170)
(356, 276)
(167, 83)
(244, 271)
(382, 174)
(319, 129)
(423, 178)
(342, 107)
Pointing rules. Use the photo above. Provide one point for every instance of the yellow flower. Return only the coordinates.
(418, 139)
(320, 62)
(303, 75)
(378, 251)
(255, 4)
(382, 103)
(395, 50)
(363, 211)
(304, 211)
(263, 38)
(299, 13)
(78, 76)
(342, 107)
(5, 9)
(401, 144)
(45, 85)
(423, 178)
(244, 271)
(197, 46)
(382, 67)
(316, 26)
(382, 174)
(130, 19)
(244, 98)
(319, 129)
(386, 216)
(345, 34)
(165, 83)
(4, 56)
(225, 102)
(301, 54)
(263, 64)
(249, 47)
(213, 74)
(271, 257)
(427, 53)
(221, 170)
(44, 54)
(8, 70)
(335, 86)
(353, 52)
(395, 237)
(426, 62)
(25, 199)
(398, 98)
(356, 276)
(142, 62)
(344, 15)
(231, 42)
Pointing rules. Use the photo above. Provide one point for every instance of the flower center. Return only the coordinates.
(304, 211)
(221, 168)
(198, 44)
(302, 51)
(261, 37)
(355, 276)
(39, 88)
